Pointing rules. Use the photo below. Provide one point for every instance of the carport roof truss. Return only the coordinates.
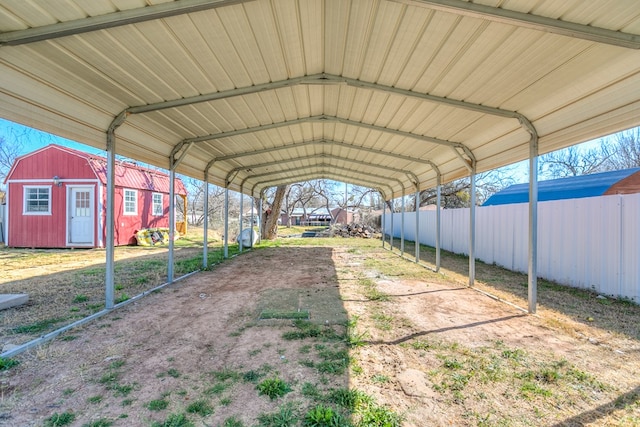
(390, 94)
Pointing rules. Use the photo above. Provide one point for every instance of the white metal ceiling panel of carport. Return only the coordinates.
(381, 93)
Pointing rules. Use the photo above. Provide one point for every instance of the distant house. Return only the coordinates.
(626, 181)
(319, 216)
(56, 198)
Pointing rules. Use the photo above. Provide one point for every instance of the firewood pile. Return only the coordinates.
(362, 231)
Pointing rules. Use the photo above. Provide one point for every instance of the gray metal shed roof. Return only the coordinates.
(379, 93)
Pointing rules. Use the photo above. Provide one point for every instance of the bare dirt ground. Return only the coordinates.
(422, 345)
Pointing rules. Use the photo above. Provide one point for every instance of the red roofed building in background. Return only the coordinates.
(57, 198)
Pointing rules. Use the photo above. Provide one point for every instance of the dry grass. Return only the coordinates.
(65, 285)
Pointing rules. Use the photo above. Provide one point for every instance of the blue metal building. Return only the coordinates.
(624, 181)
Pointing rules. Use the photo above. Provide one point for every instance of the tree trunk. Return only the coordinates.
(270, 229)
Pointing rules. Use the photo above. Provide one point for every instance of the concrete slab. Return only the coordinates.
(12, 300)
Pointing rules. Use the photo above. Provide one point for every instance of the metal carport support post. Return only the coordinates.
(382, 223)
(438, 207)
(226, 222)
(472, 228)
(533, 226)
(240, 224)
(205, 232)
(109, 280)
(110, 217)
(391, 225)
(260, 217)
(172, 218)
(252, 219)
(402, 227)
(417, 240)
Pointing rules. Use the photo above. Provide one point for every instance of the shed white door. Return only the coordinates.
(81, 216)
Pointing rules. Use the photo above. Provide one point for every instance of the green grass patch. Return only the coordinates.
(172, 372)
(94, 399)
(59, 420)
(101, 422)
(232, 422)
(305, 329)
(122, 298)
(174, 420)
(37, 327)
(157, 405)
(200, 407)
(273, 388)
(333, 361)
(226, 374)
(382, 321)
(80, 298)
(6, 364)
(324, 416)
(117, 364)
(285, 416)
(252, 376)
(216, 389)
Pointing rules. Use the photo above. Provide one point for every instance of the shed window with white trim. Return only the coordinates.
(130, 202)
(37, 200)
(157, 204)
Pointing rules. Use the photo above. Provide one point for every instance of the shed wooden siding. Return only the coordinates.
(38, 169)
(40, 231)
(82, 169)
(56, 162)
(127, 225)
(628, 185)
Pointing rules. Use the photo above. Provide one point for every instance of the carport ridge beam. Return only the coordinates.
(307, 177)
(234, 172)
(326, 142)
(321, 165)
(311, 175)
(328, 77)
(310, 79)
(345, 178)
(315, 175)
(324, 118)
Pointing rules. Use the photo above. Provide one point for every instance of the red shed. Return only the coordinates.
(56, 198)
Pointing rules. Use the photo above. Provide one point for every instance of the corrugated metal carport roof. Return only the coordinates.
(378, 93)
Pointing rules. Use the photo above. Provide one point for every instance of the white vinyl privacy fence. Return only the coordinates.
(591, 243)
